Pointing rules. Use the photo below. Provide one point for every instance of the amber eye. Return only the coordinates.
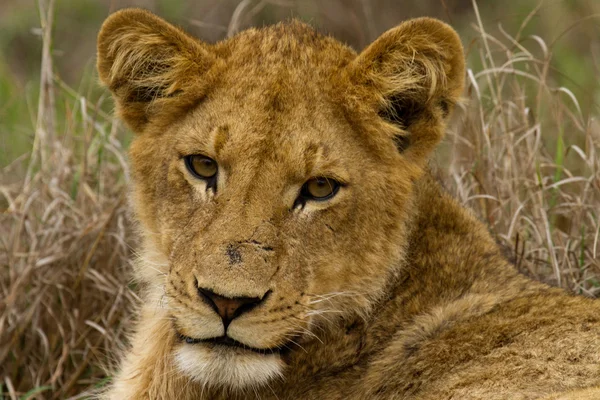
(320, 188)
(201, 166)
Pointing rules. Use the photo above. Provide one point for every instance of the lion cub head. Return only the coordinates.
(273, 176)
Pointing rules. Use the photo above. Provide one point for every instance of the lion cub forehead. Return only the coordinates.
(290, 43)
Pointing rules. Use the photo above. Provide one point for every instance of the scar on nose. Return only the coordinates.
(235, 257)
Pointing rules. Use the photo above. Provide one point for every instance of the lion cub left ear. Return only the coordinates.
(412, 75)
(154, 69)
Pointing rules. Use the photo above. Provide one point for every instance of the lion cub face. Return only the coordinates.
(273, 176)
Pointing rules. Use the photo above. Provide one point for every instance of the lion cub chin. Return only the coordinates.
(222, 366)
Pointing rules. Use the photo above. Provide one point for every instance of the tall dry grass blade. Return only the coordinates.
(46, 119)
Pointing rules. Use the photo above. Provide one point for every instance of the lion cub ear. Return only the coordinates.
(153, 69)
(413, 75)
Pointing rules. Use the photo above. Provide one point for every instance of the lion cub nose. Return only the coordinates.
(229, 308)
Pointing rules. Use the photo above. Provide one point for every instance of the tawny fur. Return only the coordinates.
(389, 290)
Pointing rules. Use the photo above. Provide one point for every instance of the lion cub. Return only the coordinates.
(294, 244)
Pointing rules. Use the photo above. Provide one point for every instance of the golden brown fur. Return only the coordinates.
(389, 290)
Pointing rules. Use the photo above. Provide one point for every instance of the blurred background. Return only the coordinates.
(522, 151)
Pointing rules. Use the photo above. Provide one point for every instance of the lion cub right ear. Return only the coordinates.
(154, 70)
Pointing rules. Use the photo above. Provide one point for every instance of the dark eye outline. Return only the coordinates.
(211, 181)
(306, 196)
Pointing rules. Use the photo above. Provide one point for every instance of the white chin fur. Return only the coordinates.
(225, 367)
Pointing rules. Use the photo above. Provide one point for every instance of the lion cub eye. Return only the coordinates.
(201, 166)
(320, 188)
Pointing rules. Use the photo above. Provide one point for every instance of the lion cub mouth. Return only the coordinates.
(226, 341)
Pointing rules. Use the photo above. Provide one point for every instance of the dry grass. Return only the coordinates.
(65, 249)
(527, 160)
(520, 153)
